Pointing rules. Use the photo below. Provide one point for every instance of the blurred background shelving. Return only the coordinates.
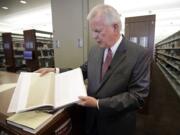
(168, 59)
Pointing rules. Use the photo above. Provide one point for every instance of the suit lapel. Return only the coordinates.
(99, 63)
(118, 58)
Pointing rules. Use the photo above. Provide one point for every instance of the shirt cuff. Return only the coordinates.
(97, 104)
(57, 70)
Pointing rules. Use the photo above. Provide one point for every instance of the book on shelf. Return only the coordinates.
(31, 121)
(51, 91)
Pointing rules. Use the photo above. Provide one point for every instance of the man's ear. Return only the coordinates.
(116, 27)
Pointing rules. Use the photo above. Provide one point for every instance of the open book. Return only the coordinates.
(50, 91)
(31, 121)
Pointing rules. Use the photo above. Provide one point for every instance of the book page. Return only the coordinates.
(13, 107)
(41, 90)
(32, 91)
(68, 87)
(23, 91)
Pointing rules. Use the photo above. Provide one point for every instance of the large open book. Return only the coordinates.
(31, 121)
(50, 91)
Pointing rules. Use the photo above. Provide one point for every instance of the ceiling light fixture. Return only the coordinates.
(5, 8)
(23, 1)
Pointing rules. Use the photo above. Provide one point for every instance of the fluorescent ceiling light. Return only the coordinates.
(5, 8)
(23, 1)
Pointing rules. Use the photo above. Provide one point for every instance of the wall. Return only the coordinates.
(71, 31)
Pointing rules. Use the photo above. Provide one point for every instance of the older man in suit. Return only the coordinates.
(118, 73)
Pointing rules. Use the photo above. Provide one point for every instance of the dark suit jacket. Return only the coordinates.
(120, 92)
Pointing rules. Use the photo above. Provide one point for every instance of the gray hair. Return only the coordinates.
(109, 13)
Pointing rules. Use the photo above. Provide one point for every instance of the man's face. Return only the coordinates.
(103, 33)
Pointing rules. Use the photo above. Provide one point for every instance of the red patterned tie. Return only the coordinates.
(107, 62)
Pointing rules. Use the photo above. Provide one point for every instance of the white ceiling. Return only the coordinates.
(36, 14)
(167, 13)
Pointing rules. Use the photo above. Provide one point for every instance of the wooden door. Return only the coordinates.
(141, 30)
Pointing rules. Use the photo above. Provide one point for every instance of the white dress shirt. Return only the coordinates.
(113, 48)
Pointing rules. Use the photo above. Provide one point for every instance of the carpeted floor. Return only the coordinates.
(163, 108)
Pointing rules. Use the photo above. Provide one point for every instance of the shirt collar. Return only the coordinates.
(116, 45)
(113, 48)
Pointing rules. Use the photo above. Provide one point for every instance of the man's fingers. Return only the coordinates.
(43, 73)
(82, 97)
(81, 103)
(38, 71)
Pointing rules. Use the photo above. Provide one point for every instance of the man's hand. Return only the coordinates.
(88, 101)
(44, 71)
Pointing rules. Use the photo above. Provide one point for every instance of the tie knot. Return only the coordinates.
(109, 50)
